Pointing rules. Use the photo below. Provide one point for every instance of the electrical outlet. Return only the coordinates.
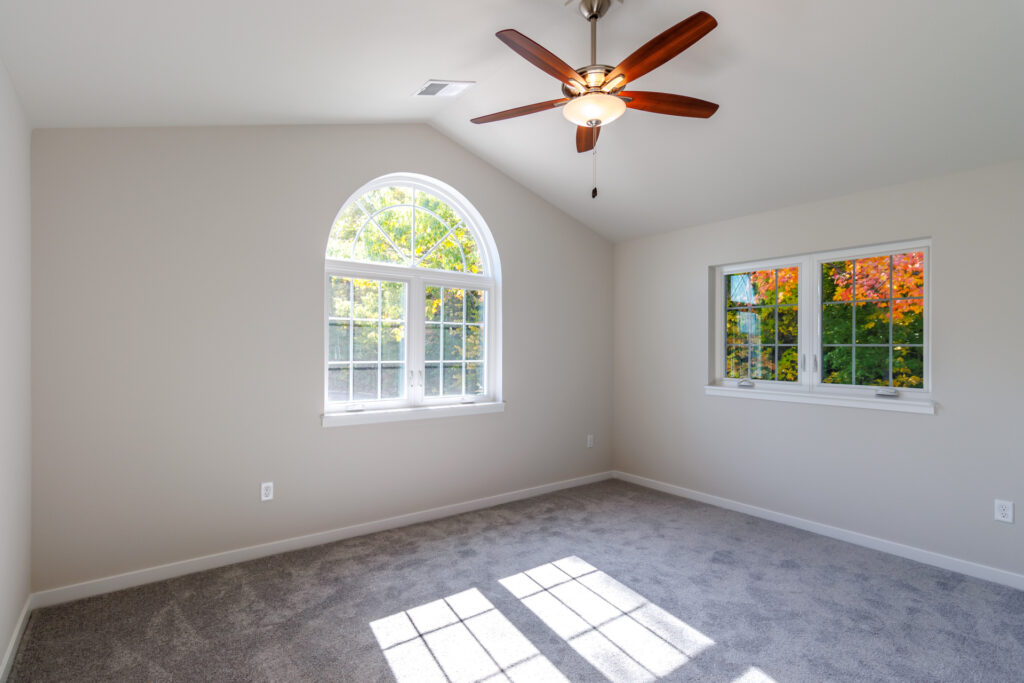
(1004, 511)
(267, 491)
(590, 440)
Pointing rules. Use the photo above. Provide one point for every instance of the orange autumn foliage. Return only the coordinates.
(870, 281)
(765, 287)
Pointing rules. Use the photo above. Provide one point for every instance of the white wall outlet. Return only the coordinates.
(590, 440)
(267, 491)
(1004, 511)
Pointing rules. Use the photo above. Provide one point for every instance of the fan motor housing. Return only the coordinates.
(591, 9)
(593, 75)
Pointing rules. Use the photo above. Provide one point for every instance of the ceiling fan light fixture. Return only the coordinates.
(597, 107)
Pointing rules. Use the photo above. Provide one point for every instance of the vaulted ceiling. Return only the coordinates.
(818, 98)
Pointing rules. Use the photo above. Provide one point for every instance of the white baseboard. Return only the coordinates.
(979, 571)
(86, 589)
(12, 648)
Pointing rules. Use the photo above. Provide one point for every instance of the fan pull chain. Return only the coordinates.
(593, 193)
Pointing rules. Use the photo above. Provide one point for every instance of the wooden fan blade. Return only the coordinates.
(664, 103)
(541, 57)
(520, 111)
(664, 47)
(586, 137)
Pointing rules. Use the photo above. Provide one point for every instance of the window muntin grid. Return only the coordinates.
(454, 341)
(872, 321)
(762, 324)
(367, 322)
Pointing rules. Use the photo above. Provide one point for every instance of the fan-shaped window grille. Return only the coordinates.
(412, 310)
(407, 226)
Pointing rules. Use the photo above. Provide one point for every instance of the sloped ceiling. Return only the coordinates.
(818, 98)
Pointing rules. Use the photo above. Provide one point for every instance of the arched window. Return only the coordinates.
(413, 305)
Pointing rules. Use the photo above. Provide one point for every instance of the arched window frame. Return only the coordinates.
(416, 404)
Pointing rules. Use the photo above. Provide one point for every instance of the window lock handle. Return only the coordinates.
(421, 377)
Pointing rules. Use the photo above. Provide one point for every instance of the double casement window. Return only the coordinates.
(847, 327)
(412, 310)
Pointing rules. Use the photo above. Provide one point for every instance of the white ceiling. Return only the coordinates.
(818, 97)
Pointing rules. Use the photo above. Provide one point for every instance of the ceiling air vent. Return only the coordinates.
(435, 88)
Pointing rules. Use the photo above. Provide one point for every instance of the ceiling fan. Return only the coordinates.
(594, 95)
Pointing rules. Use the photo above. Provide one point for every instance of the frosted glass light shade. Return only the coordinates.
(593, 107)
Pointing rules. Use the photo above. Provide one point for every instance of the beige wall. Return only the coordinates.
(178, 345)
(925, 481)
(15, 462)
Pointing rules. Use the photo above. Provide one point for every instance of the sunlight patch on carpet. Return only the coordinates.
(459, 639)
(754, 675)
(621, 633)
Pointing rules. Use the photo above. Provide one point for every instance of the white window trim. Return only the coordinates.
(416, 405)
(809, 388)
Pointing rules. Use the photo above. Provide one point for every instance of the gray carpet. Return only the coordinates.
(770, 602)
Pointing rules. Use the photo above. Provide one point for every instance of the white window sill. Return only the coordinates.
(362, 417)
(901, 404)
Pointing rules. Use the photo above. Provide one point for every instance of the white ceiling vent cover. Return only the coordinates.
(435, 88)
